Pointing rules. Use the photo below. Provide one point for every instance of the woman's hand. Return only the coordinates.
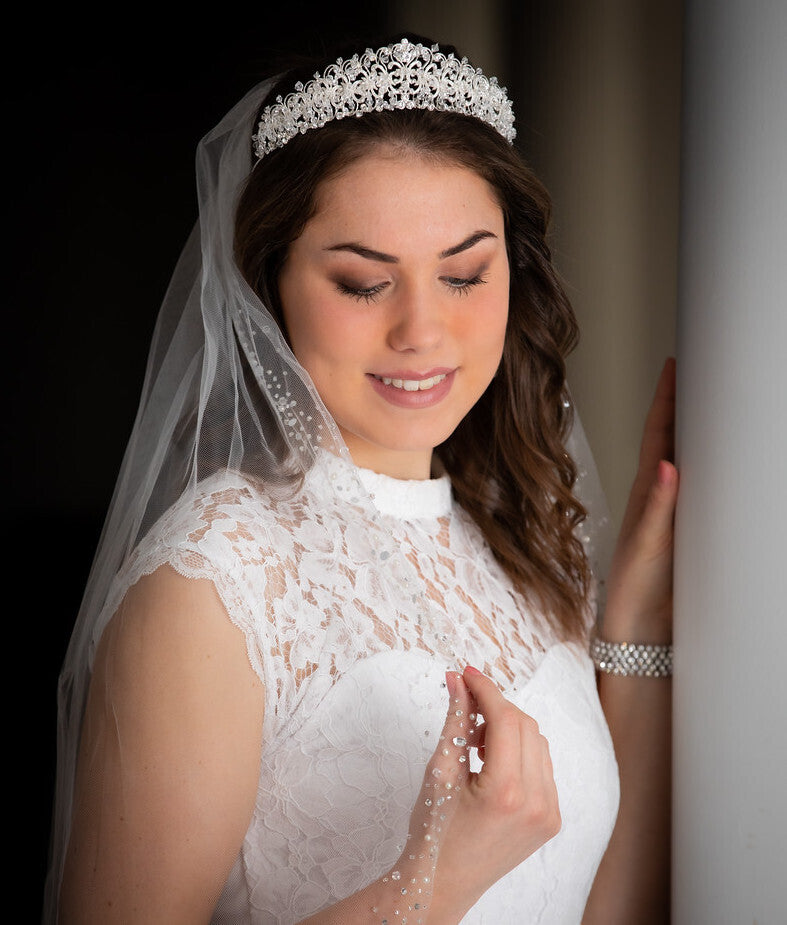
(639, 590)
(466, 829)
(632, 883)
(482, 824)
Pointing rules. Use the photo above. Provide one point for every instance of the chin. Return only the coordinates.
(416, 442)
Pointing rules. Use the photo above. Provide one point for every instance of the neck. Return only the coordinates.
(398, 464)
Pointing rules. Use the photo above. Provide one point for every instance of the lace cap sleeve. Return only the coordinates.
(217, 534)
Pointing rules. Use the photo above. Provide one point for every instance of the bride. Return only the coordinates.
(339, 657)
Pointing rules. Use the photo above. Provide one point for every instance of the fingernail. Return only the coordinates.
(664, 473)
(450, 682)
(470, 670)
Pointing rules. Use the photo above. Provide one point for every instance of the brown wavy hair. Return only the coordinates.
(507, 460)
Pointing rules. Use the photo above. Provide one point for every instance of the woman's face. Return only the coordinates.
(395, 300)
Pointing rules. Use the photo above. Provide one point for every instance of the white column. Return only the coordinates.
(730, 751)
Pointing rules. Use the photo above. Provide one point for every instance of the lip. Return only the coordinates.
(414, 400)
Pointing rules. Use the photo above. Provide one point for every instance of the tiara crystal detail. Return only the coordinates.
(401, 76)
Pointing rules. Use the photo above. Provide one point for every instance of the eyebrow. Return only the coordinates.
(379, 256)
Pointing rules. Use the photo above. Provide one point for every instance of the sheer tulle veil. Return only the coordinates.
(223, 394)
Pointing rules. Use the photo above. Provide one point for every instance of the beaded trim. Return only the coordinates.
(400, 76)
(630, 659)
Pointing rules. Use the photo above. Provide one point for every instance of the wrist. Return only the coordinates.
(451, 900)
(635, 634)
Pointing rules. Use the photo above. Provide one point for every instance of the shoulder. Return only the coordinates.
(167, 619)
(217, 534)
(169, 755)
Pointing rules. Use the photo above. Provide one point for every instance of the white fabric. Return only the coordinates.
(355, 692)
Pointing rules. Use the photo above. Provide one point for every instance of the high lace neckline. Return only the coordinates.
(402, 499)
(408, 499)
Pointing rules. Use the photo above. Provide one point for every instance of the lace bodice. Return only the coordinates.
(355, 693)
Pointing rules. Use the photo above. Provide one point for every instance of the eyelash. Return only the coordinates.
(463, 286)
(361, 295)
(455, 284)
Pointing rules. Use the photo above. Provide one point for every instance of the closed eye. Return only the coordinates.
(458, 284)
(362, 293)
(463, 286)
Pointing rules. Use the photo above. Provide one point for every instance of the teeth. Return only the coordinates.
(413, 385)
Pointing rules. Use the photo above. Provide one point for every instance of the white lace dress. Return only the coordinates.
(356, 696)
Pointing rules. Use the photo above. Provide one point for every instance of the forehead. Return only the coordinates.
(402, 193)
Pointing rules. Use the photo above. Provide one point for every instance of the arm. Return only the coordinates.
(168, 763)
(632, 884)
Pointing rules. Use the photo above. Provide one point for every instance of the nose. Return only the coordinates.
(416, 322)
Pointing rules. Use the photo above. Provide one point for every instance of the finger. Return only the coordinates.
(477, 739)
(658, 440)
(484, 691)
(449, 761)
(462, 706)
(658, 443)
(509, 735)
(655, 531)
(446, 771)
(505, 726)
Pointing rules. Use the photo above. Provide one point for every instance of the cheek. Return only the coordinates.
(486, 327)
(320, 334)
(300, 306)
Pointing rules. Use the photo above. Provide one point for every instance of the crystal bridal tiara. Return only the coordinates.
(405, 75)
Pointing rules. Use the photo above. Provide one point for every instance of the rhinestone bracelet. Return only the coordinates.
(630, 659)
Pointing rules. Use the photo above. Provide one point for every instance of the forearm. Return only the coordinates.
(632, 884)
(401, 894)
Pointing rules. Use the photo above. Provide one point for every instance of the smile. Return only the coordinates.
(405, 391)
(412, 385)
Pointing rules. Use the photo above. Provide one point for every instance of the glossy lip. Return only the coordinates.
(403, 399)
